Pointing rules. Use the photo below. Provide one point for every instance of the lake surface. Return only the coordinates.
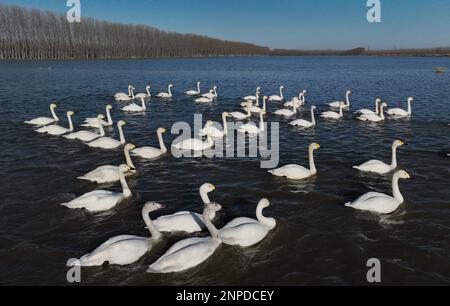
(317, 239)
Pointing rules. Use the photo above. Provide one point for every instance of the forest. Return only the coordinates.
(35, 34)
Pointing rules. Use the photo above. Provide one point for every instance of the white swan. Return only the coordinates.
(381, 203)
(134, 108)
(398, 112)
(296, 172)
(205, 100)
(125, 249)
(297, 101)
(365, 111)
(88, 136)
(251, 128)
(213, 131)
(109, 143)
(45, 120)
(121, 95)
(102, 200)
(124, 97)
(150, 152)
(93, 122)
(212, 93)
(146, 95)
(253, 98)
(57, 130)
(286, 112)
(245, 232)
(338, 103)
(110, 174)
(305, 123)
(166, 95)
(241, 116)
(187, 221)
(380, 167)
(333, 115)
(194, 92)
(194, 144)
(374, 118)
(279, 98)
(191, 252)
(255, 109)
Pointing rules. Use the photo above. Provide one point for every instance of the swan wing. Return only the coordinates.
(239, 221)
(244, 235)
(301, 123)
(374, 166)
(295, 172)
(105, 143)
(41, 121)
(188, 222)
(95, 201)
(103, 174)
(147, 152)
(382, 204)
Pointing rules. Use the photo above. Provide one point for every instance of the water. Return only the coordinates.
(317, 241)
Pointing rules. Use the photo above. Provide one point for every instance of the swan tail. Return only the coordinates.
(362, 119)
(74, 262)
(356, 167)
(349, 204)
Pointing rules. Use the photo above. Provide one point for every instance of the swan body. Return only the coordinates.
(255, 97)
(398, 112)
(146, 95)
(305, 123)
(122, 97)
(365, 111)
(296, 172)
(150, 152)
(286, 112)
(194, 144)
(279, 98)
(190, 253)
(255, 109)
(194, 92)
(204, 100)
(297, 101)
(166, 95)
(93, 122)
(56, 130)
(41, 121)
(377, 166)
(213, 131)
(241, 116)
(110, 174)
(109, 143)
(374, 118)
(251, 128)
(337, 104)
(125, 249)
(333, 115)
(380, 203)
(102, 200)
(212, 93)
(246, 232)
(87, 136)
(134, 108)
(186, 221)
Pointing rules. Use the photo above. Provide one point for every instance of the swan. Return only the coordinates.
(152, 153)
(109, 143)
(88, 136)
(102, 200)
(124, 249)
(278, 98)
(398, 112)
(249, 103)
(381, 203)
(255, 109)
(333, 115)
(297, 101)
(245, 232)
(110, 174)
(93, 122)
(205, 100)
(45, 120)
(190, 253)
(134, 108)
(57, 130)
(365, 111)
(186, 221)
(166, 95)
(213, 131)
(212, 93)
(145, 95)
(253, 98)
(380, 167)
(374, 118)
(338, 103)
(194, 144)
(305, 123)
(194, 92)
(120, 95)
(125, 97)
(296, 172)
(286, 112)
(251, 128)
(241, 116)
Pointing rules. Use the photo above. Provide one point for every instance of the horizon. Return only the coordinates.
(326, 25)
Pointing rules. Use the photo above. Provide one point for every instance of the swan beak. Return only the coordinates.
(213, 187)
(163, 130)
(403, 143)
(318, 146)
(162, 206)
(408, 176)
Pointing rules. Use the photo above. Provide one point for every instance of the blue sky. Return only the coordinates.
(304, 24)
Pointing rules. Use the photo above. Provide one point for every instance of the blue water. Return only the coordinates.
(317, 239)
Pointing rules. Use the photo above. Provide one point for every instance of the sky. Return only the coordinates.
(291, 24)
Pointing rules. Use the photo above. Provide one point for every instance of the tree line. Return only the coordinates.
(35, 34)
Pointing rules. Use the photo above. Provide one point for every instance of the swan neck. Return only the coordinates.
(312, 165)
(313, 118)
(198, 87)
(281, 93)
(264, 105)
(261, 122)
(409, 107)
(169, 89)
(125, 189)
(148, 91)
(108, 115)
(52, 110)
(132, 93)
(347, 99)
(122, 136)
(100, 128)
(225, 124)
(128, 159)
(205, 197)
(69, 118)
(162, 146)
(382, 112)
(208, 223)
(143, 104)
(156, 234)
(262, 219)
(394, 157)
(396, 189)
(377, 107)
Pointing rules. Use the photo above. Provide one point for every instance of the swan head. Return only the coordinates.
(384, 104)
(148, 87)
(225, 114)
(265, 97)
(70, 113)
(349, 92)
(314, 146)
(207, 188)
(304, 91)
(121, 123)
(410, 99)
(53, 105)
(171, 85)
(402, 174)
(109, 106)
(378, 100)
(101, 117)
(152, 206)
(198, 82)
(215, 87)
(124, 168)
(161, 130)
(129, 147)
(264, 203)
(313, 107)
(211, 91)
(399, 143)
